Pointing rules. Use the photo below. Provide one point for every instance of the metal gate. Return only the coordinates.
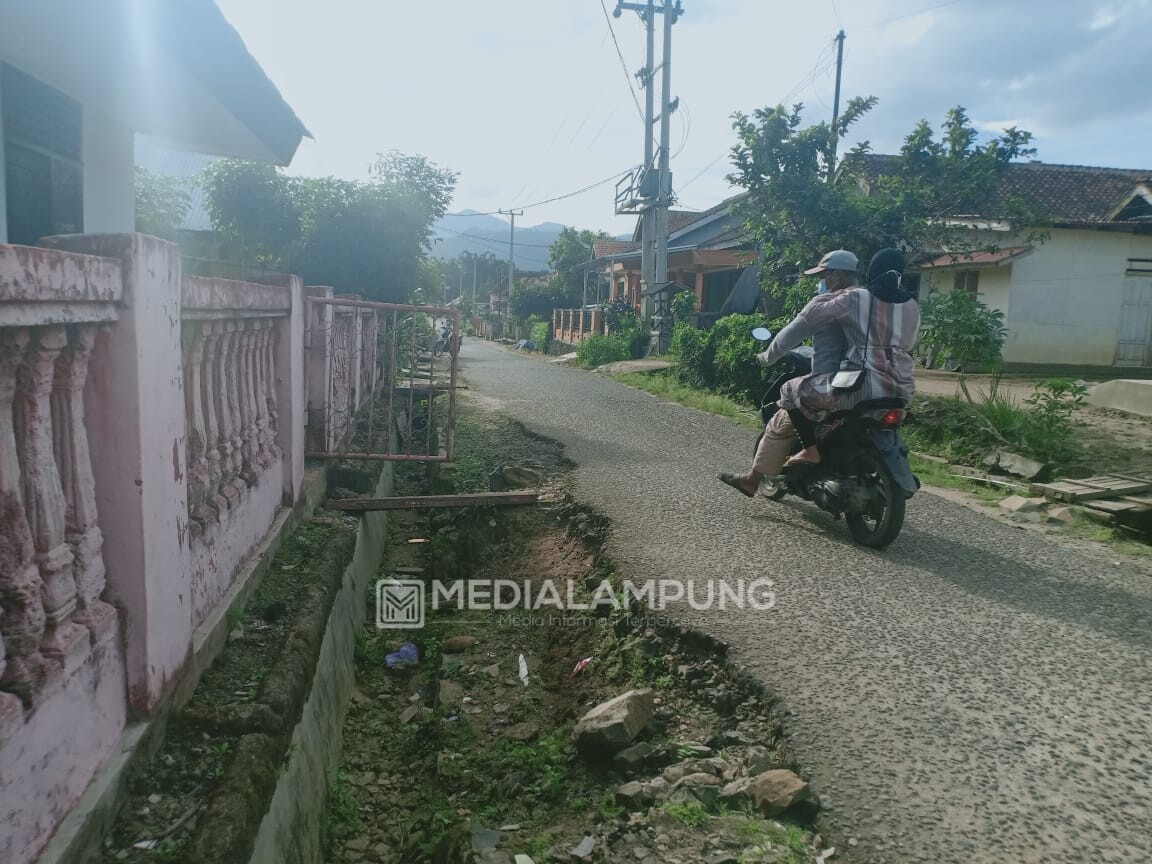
(375, 369)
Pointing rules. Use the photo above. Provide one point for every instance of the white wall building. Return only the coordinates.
(79, 80)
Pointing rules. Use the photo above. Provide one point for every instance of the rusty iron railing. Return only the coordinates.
(344, 393)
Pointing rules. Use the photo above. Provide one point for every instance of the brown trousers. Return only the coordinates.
(776, 446)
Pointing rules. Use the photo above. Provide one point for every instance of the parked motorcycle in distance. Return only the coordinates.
(863, 474)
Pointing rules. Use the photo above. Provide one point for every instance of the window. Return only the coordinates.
(911, 284)
(969, 281)
(717, 287)
(42, 168)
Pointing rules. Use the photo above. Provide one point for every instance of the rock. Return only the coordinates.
(458, 644)
(382, 852)
(703, 788)
(522, 732)
(523, 859)
(635, 757)
(519, 477)
(509, 827)
(484, 839)
(1062, 516)
(757, 760)
(492, 671)
(1021, 504)
(155, 799)
(450, 693)
(714, 766)
(584, 849)
(410, 713)
(693, 750)
(235, 635)
(723, 858)
(634, 795)
(1015, 464)
(358, 844)
(611, 726)
(770, 793)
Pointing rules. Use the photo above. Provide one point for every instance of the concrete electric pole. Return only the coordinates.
(836, 103)
(511, 247)
(653, 196)
(664, 195)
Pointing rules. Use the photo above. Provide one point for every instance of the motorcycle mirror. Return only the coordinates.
(762, 334)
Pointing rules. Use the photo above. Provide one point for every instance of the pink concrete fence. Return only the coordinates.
(573, 326)
(151, 428)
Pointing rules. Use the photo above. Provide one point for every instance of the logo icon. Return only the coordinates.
(399, 604)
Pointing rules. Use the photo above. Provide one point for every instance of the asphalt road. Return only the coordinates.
(976, 693)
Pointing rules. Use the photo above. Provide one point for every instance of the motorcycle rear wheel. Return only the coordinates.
(877, 528)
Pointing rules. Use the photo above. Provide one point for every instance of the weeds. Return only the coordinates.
(692, 814)
(669, 388)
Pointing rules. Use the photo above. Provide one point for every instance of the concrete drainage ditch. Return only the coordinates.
(501, 744)
(302, 743)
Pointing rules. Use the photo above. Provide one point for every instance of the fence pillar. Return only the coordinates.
(318, 336)
(135, 414)
(290, 406)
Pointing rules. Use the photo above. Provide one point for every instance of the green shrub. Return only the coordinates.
(956, 326)
(538, 333)
(691, 347)
(683, 305)
(721, 359)
(600, 349)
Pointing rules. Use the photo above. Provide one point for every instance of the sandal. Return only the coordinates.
(734, 481)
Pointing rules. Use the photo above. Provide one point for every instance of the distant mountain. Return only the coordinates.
(469, 231)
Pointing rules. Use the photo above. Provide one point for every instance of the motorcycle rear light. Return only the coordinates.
(893, 418)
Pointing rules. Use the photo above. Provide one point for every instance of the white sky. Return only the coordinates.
(527, 98)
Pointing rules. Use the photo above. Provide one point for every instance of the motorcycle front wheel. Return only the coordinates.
(879, 525)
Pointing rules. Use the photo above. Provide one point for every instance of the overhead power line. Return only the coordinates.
(573, 194)
(623, 63)
(911, 14)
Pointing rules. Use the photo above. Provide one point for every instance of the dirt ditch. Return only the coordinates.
(477, 751)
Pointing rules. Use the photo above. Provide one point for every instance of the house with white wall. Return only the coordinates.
(1082, 295)
(80, 80)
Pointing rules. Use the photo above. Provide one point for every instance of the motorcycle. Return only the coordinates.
(864, 474)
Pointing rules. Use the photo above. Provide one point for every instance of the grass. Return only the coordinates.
(941, 476)
(669, 388)
(692, 814)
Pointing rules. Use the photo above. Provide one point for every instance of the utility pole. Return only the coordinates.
(648, 216)
(511, 247)
(664, 195)
(836, 103)
(475, 258)
(656, 181)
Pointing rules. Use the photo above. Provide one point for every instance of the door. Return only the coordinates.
(1134, 347)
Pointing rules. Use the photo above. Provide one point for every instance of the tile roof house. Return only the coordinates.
(1082, 297)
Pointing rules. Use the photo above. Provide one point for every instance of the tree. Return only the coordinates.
(799, 205)
(568, 256)
(370, 238)
(162, 203)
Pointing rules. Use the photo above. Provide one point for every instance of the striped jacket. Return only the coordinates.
(889, 364)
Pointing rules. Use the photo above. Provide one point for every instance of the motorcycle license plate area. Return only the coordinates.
(895, 453)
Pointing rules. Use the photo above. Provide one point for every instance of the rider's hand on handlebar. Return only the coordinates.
(761, 360)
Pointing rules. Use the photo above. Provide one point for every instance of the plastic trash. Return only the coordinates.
(523, 670)
(408, 655)
(580, 667)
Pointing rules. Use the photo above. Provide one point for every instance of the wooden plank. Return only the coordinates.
(430, 502)
(1093, 488)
